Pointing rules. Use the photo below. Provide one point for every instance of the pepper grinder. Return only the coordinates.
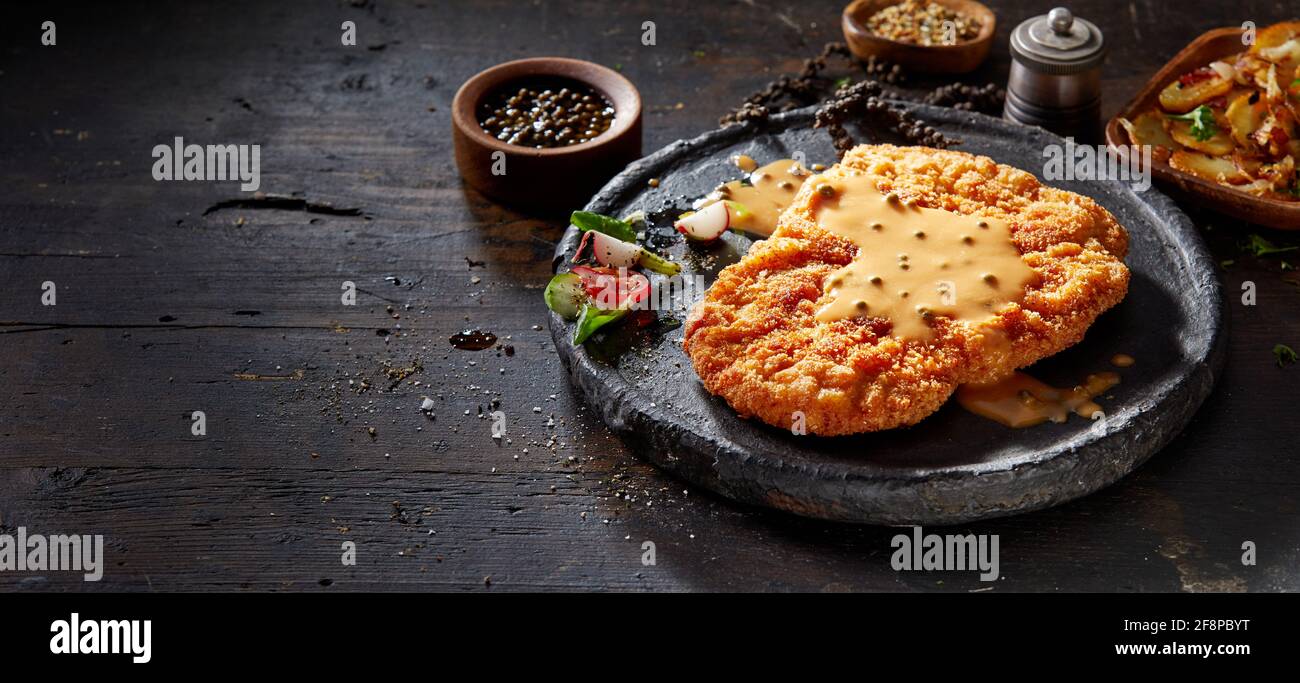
(1056, 75)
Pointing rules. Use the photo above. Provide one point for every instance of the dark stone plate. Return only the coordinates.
(953, 466)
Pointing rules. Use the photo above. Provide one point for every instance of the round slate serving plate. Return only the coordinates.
(953, 466)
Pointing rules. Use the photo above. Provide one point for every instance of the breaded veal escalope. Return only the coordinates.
(755, 340)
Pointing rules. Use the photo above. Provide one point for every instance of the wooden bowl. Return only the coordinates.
(558, 179)
(1208, 47)
(961, 58)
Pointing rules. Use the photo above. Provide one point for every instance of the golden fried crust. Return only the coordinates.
(755, 341)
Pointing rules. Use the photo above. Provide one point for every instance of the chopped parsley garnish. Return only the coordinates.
(1285, 355)
(1203, 127)
(1259, 246)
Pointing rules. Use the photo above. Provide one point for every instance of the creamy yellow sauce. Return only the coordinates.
(914, 263)
(770, 190)
(1022, 401)
(745, 162)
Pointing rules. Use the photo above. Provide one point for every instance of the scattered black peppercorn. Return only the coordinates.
(809, 86)
(844, 101)
(987, 98)
(883, 71)
(862, 102)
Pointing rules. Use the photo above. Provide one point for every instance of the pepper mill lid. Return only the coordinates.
(1058, 43)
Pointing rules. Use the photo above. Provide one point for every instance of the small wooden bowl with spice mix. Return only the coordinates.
(912, 33)
(545, 133)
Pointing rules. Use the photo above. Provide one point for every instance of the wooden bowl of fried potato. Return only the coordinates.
(1227, 138)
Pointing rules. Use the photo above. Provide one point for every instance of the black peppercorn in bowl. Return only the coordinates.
(545, 133)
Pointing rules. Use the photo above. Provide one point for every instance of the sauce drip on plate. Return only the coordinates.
(745, 163)
(1022, 401)
(915, 263)
(770, 190)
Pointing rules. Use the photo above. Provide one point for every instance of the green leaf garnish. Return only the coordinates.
(1259, 246)
(593, 318)
(1285, 355)
(620, 230)
(1203, 127)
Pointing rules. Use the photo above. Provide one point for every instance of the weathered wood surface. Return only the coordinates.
(164, 309)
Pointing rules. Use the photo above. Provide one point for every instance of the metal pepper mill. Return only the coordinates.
(1056, 75)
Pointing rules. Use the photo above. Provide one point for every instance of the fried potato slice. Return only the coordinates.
(1275, 35)
(1213, 169)
(1217, 145)
(1245, 115)
(1180, 99)
(1149, 129)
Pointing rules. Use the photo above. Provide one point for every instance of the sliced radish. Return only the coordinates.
(582, 244)
(707, 224)
(613, 252)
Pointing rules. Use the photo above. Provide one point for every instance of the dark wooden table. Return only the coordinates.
(168, 304)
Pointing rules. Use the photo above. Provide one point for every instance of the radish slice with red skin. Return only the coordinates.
(613, 252)
(582, 244)
(707, 224)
